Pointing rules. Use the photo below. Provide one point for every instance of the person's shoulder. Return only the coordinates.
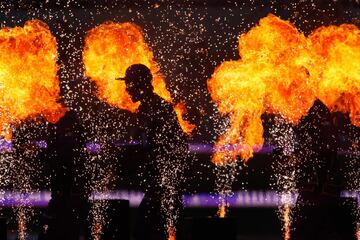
(168, 106)
(162, 104)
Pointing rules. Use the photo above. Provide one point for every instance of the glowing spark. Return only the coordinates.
(222, 210)
(287, 221)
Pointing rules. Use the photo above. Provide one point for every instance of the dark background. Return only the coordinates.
(189, 39)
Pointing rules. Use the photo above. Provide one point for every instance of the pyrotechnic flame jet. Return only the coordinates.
(29, 87)
(281, 71)
(110, 49)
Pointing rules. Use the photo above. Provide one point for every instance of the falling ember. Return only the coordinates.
(110, 49)
(28, 82)
(282, 72)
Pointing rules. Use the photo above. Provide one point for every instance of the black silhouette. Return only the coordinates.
(65, 215)
(318, 211)
(165, 147)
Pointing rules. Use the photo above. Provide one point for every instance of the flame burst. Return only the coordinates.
(109, 50)
(186, 126)
(282, 72)
(172, 234)
(28, 82)
(337, 50)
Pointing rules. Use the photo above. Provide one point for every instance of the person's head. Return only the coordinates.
(138, 80)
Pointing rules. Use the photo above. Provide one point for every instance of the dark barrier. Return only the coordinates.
(3, 228)
(347, 218)
(208, 228)
(117, 226)
(330, 220)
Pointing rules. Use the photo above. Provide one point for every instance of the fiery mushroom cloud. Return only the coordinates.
(282, 72)
(29, 86)
(110, 49)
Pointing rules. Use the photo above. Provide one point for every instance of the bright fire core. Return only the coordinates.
(282, 71)
(29, 86)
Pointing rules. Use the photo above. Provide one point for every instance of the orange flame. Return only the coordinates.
(110, 49)
(180, 110)
(282, 72)
(28, 82)
(172, 233)
(222, 210)
(287, 222)
(337, 50)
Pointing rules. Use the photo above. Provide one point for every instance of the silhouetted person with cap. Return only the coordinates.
(319, 182)
(166, 147)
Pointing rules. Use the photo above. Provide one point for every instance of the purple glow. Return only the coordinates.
(199, 148)
(5, 146)
(127, 143)
(93, 147)
(241, 199)
(40, 143)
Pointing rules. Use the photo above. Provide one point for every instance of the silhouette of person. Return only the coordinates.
(319, 181)
(165, 147)
(66, 212)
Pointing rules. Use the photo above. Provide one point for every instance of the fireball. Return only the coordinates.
(282, 72)
(338, 67)
(29, 86)
(110, 49)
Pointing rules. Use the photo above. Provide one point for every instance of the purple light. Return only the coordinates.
(93, 147)
(5, 146)
(241, 199)
(41, 144)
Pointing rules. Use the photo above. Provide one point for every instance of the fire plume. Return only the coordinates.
(180, 110)
(29, 86)
(337, 50)
(110, 49)
(282, 71)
